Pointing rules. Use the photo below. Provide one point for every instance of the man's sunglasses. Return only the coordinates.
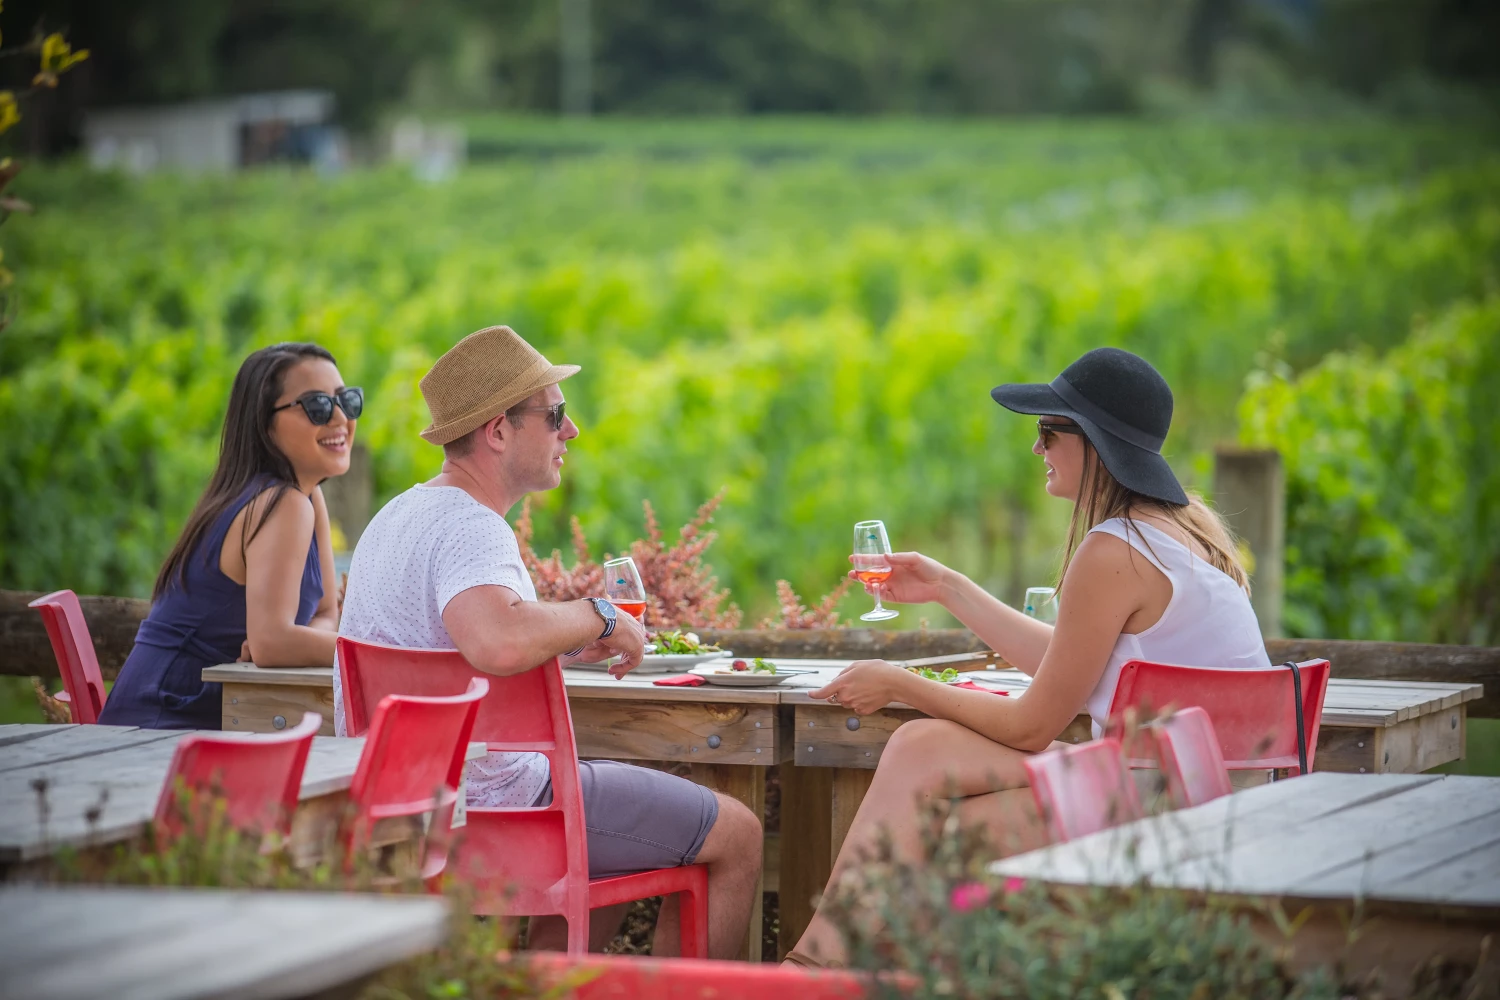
(1045, 429)
(555, 414)
(319, 405)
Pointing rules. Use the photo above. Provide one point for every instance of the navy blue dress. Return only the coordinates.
(191, 627)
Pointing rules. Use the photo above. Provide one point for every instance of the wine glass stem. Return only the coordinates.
(878, 605)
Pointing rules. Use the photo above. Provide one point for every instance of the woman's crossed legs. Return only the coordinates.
(925, 760)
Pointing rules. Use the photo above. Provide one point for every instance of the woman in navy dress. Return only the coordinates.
(246, 580)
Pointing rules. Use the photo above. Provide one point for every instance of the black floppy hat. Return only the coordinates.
(1124, 407)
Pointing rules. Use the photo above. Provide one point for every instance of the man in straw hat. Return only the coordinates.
(439, 567)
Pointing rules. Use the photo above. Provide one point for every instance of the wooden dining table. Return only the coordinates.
(84, 788)
(1382, 871)
(728, 736)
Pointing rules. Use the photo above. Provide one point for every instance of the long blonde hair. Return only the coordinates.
(1101, 496)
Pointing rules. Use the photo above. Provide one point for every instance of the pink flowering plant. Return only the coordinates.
(964, 934)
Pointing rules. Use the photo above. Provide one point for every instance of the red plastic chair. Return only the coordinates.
(523, 861)
(613, 977)
(1083, 789)
(1190, 758)
(412, 764)
(1253, 709)
(256, 778)
(83, 685)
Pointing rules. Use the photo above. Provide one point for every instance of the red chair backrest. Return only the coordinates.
(1190, 757)
(256, 777)
(413, 759)
(74, 649)
(527, 711)
(1083, 789)
(1253, 709)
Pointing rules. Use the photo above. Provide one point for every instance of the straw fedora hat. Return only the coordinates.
(482, 376)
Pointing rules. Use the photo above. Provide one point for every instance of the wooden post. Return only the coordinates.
(747, 784)
(806, 861)
(351, 497)
(577, 84)
(1250, 491)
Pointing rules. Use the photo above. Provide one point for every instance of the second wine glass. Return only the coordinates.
(623, 587)
(872, 564)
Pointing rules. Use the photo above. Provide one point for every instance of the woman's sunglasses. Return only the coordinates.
(319, 405)
(1045, 429)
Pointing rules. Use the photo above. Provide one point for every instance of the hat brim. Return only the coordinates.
(1137, 468)
(456, 428)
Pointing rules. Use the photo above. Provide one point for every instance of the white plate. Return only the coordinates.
(745, 678)
(663, 663)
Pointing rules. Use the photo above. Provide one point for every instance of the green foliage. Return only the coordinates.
(1393, 480)
(967, 936)
(815, 334)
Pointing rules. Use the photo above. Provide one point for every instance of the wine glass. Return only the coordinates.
(623, 587)
(1041, 604)
(872, 564)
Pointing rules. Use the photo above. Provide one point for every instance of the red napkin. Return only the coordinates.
(971, 686)
(681, 680)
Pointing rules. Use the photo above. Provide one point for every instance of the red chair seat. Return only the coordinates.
(74, 648)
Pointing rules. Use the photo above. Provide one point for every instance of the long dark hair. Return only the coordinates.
(246, 454)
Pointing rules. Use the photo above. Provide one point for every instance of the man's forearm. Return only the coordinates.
(532, 633)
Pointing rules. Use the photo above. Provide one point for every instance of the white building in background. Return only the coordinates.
(219, 135)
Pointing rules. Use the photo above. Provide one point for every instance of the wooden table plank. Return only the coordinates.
(163, 944)
(1160, 842)
(87, 741)
(1305, 838)
(1380, 873)
(21, 732)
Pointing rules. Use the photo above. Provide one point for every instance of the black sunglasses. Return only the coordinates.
(1045, 430)
(555, 414)
(319, 405)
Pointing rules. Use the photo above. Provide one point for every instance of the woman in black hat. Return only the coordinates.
(1149, 572)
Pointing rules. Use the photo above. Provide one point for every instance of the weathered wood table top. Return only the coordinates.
(1409, 840)
(77, 786)
(1373, 871)
(173, 944)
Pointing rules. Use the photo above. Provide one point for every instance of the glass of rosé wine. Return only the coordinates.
(872, 565)
(623, 587)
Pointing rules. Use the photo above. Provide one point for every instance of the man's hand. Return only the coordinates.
(628, 641)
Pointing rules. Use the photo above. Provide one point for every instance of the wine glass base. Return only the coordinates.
(878, 616)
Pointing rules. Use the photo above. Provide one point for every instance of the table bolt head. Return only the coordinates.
(757, 749)
(811, 724)
(811, 749)
(867, 753)
(278, 722)
(234, 722)
(713, 742)
(1361, 770)
(1361, 746)
(851, 723)
(234, 701)
(757, 725)
(693, 750)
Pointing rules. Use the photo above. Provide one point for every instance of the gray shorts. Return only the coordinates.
(639, 819)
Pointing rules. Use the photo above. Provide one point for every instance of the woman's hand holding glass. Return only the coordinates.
(914, 579)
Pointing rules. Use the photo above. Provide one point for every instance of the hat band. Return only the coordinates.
(1106, 421)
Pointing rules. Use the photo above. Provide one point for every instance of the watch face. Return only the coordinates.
(606, 609)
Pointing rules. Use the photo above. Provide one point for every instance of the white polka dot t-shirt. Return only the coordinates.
(425, 547)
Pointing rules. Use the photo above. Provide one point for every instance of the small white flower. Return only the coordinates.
(692, 637)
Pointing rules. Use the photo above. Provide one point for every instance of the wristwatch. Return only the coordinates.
(604, 610)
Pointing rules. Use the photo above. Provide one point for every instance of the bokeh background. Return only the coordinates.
(793, 244)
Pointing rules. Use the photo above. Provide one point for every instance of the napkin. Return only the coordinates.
(971, 686)
(681, 680)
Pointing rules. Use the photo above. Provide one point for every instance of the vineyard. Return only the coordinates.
(808, 318)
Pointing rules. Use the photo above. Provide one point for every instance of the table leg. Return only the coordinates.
(747, 784)
(849, 787)
(806, 832)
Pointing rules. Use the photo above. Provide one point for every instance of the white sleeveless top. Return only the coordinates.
(1208, 621)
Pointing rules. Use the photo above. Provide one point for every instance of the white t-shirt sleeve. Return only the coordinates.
(480, 551)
